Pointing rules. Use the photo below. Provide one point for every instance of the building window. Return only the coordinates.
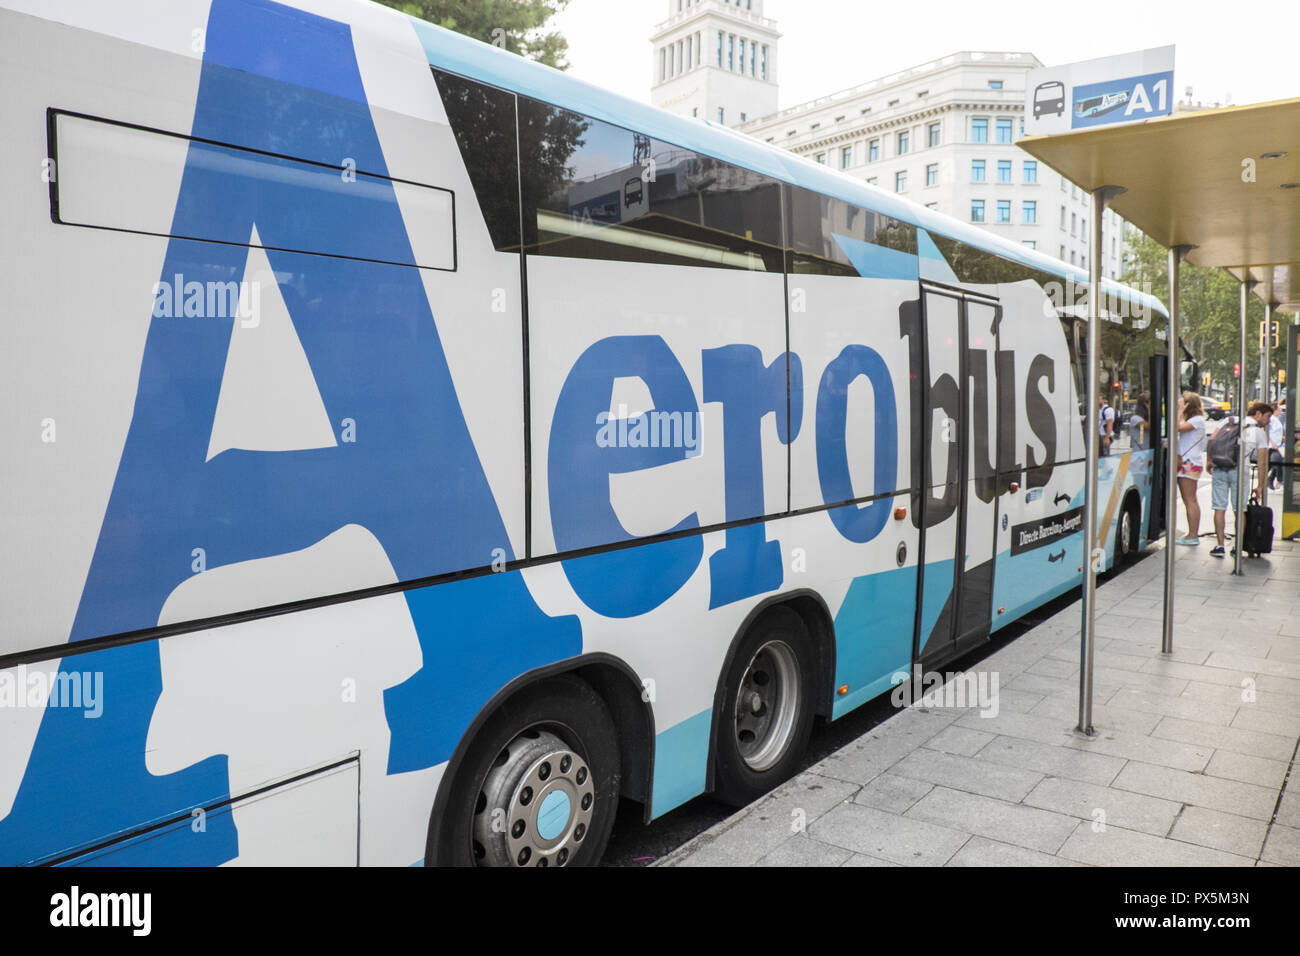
(1083, 260)
(1083, 227)
(1029, 212)
(721, 114)
(1062, 219)
(1031, 171)
(743, 117)
(932, 134)
(1004, 131)
(764, 61)
(695, 112)
(681, 59)
(688, 61)
(1062, 255)
(995, 84)
(977, 210)
(742, 54)
(719, 48)
(900, 181)
(1004, 210)
(846, 157)
(977, 171)
(904, 138)
(753, 58)
(979, 131)
(1073, 258)
(1029, 243)
(731, 52)
(1004, 170)
(1074, 224)
(663, 63)
(821, 159)
(873, 150)
(932, 174)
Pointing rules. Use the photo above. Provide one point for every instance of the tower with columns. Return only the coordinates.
(715, 60)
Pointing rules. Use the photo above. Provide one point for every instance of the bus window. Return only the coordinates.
(598, 191)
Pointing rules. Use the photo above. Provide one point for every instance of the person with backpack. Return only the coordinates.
(1225, 450)
(1105, 426)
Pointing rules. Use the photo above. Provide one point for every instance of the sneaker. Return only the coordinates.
(1189, 542)
(1218, 552)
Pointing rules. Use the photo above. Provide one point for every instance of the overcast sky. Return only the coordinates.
(1243, 50)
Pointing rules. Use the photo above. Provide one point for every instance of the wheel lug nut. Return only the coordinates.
(517, 830)
(565, 763)
(544, 771)
(579, 831)
(582, 775)
(586, 802)
(526, 796)
(562, 857)
(524, 854)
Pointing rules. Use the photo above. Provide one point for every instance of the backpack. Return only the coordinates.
(1226, 444)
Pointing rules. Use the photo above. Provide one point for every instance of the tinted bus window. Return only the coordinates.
(599, 191)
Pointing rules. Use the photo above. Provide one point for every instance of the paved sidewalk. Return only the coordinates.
(1190, 759)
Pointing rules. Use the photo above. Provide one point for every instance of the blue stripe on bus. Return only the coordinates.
(873, 635)
(681, 762)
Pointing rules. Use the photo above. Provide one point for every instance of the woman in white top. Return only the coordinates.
(1191, 451)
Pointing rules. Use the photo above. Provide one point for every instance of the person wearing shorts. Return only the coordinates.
(1254, 443)
(1191, 450)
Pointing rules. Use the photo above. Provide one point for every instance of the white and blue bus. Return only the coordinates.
(410, 451)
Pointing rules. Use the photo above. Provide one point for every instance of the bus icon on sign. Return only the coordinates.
(1049, 97)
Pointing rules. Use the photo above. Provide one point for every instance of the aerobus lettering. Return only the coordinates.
(1042, 421)
(629, 582)
(735, 376)
(858, 523)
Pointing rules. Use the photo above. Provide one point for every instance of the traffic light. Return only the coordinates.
(1269, 335)
(1236, 370)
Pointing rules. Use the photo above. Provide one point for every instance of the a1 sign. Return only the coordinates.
(1104, 92)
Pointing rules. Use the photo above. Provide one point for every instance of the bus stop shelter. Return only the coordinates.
(1217, 187)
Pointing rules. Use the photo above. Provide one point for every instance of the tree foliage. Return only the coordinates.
(1211, 313)
(515, 25)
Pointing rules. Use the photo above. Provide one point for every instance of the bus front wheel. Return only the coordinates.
(540, 784)
(767, 708)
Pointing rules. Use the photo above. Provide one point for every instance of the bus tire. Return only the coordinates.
(539, 785)
(1127, 531)
(767, 708)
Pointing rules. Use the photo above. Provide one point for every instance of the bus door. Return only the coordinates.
(959, 498)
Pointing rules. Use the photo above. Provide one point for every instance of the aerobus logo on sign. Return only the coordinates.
(1104, 92)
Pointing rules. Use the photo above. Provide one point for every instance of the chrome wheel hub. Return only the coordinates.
(535, 805)
(767, 705)
(1125, 532)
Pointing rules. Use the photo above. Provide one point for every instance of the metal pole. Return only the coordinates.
(1263, 352)
(1173, 387)
(1246, 286)
(1092, 555)
(1266, 353)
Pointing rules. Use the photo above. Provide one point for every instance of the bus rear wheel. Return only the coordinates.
(767, 708)
(540, 784)
(1126, 536)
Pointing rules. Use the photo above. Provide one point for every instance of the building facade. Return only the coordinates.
(942, 134)
(715, 60)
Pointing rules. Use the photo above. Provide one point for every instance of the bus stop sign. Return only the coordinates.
(1104, 92)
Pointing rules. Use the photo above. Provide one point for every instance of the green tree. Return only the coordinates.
(515, 25)
(1211, 313)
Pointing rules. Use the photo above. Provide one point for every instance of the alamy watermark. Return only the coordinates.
(653, 429)
(79, 690)
(959, 689)
(181, 299)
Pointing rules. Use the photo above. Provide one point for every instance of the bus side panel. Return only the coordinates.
(1039, 535)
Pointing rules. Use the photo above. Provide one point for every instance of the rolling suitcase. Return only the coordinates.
(1258, 538)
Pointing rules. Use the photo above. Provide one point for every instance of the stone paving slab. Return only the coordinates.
(1192, 763)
